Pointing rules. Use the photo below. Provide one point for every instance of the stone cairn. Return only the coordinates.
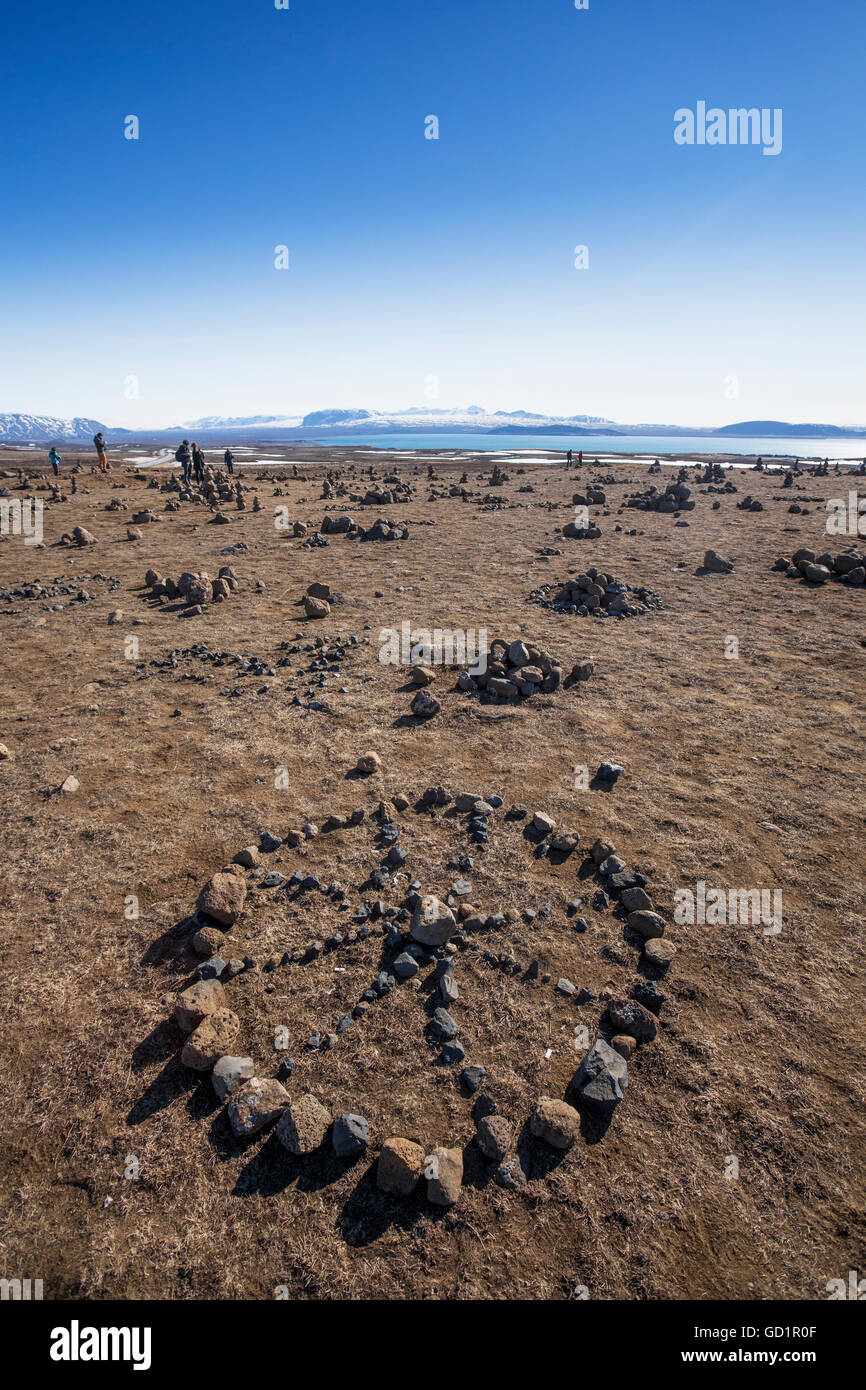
(197, 591)
(598, 593)
(849, 567)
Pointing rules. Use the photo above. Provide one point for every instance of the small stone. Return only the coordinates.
(208, 941)
(659, 952)
(716, 564)
(542, 823)
(433, 922)
(421, 675)
(404, 966)
(351, 1135)
(609, 772)
(197, 1002)
(510, 1175)
(316, 607)
(647, 992)
(646, 924)
(473, 1078)
(70, 786)
(564, 986)
(368, 763)
(442, 1025)
(636, 900)
(401, 1164)
(557, 1123)
(627, 1016)
(601, 1078)
(448, 990)
(494, 1134)
(229, 1072)
(248, 857)
(223, 898)
(303, 1125)
(211, 1039)
(424, 705)
(443, 1170)
(624, 1044)
(211, 969)
(255, 1104)
(601, 850)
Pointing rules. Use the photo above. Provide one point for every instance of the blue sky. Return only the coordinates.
(413, 259)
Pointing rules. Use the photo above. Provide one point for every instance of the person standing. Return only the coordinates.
(228, 460)
(184, 458)
(198, 463)
(55, 460)
(101, 451)
(580, 458)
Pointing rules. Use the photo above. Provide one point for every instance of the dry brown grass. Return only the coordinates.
(759, 1053)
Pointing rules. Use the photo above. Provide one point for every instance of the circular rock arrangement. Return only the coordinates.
(434, 932)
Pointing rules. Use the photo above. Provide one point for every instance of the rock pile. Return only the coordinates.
(849, 567)
(677, 497)
(385, 530)
(195, 590)
(595, 592)
(512, 671)
(591, 532)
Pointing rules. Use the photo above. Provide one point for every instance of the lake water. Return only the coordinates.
(611, 444)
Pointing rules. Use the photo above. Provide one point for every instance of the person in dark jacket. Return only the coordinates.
(228, 460)
(198, 463)
(184, 458)
(101, 448)
(55, 460)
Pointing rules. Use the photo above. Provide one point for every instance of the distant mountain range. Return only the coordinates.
(321, 425)
(24, 429)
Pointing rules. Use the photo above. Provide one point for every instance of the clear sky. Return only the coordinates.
(413, 258)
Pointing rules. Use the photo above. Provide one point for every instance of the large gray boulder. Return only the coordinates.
(433, 922)
(601, 1078)
(716, 564)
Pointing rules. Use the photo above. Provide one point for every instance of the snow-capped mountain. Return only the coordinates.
(319, 426)
(47, 429)
(472, 417)
(244, 422)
